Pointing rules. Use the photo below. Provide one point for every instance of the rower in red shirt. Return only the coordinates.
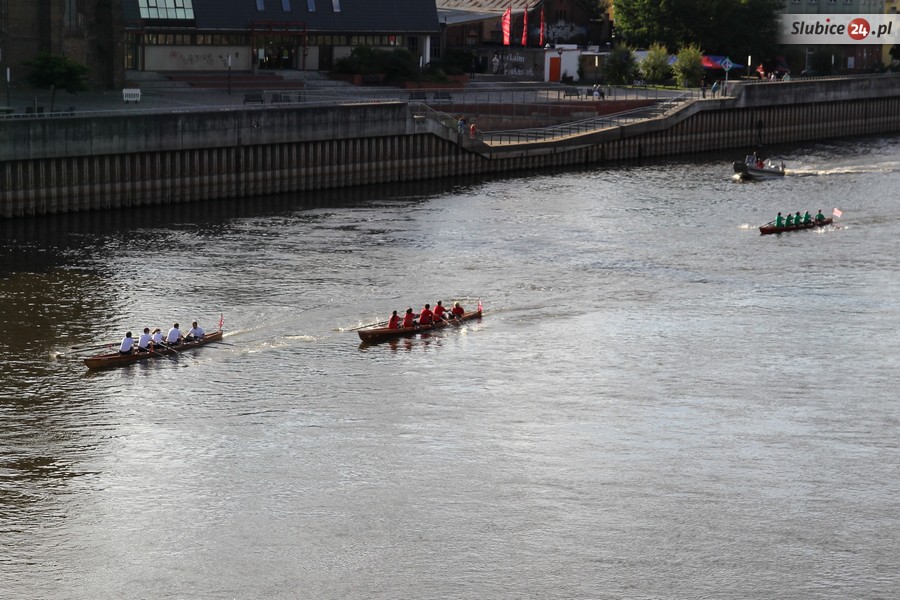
(439, 311)
(409, 319)
(394, 321)
(457, 310)
(426, 317)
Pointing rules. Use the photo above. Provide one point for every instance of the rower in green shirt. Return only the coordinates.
(789, 221)
(819, 216)
(806, 218)
(779, 221)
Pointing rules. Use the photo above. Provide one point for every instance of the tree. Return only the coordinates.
(688, 67)
(655, 67)
(619, 67)
(731, 27)
(54, 72)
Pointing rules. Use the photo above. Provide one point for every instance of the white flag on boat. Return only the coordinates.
(836, 212)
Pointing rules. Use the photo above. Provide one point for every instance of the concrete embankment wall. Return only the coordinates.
(85, 163)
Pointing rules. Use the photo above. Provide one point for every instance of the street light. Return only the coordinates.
(229, 74)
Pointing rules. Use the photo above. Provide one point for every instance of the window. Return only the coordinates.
(336, 5)
(74, 16)
(260, 5)
(167, 9)
(311, 5)
(286, 5)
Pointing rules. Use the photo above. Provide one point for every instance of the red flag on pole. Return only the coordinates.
(541, 43)
(837, 212)
(504, 24)
(525, 27)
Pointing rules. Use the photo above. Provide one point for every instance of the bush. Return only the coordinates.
(455, 62)
(619, 67)
(688, 66)
(655, 67)
(56, 72)
(396, 65)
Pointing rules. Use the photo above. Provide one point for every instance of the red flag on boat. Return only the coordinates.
(541, 42)
(525, 27)
(837, 212)
(504, 25)
(480, 308)
(221, 320)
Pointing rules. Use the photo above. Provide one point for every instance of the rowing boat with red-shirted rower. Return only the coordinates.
(373, 335)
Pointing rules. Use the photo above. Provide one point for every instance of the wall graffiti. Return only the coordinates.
(192, 60)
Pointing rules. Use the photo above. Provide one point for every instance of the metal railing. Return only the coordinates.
(583, 126)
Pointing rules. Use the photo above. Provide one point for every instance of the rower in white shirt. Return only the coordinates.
(173, 338)
(144, 341)
(127, 344)
(156, 337)
(196, 332)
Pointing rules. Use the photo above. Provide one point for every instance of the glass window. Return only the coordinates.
(311, 5)
(286, 5)
(336, 5)
(166, 9)
(260, 4)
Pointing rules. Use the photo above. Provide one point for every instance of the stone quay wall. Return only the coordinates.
(80, 163)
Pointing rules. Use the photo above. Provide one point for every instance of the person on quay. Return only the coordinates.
(127, 345)
(439, 311)
(394, 321)
(143, 344)
(779, 221)
(789, 221)
(807, 219)
(174, 337)
(409, 319)
(426, 317)
(819, 216)
(156, 337)
(196, 333)
(457, 311)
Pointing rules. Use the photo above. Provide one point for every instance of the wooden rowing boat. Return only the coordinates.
(767, 229)
(108, 361)
(373, 335)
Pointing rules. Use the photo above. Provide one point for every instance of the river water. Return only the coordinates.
(658, 403)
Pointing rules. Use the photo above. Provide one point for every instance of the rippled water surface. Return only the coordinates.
(658, 403)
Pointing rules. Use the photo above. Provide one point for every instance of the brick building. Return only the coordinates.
(89, 32)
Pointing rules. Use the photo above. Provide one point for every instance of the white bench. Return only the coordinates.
(131, 94)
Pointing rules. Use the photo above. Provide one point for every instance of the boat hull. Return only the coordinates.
(746, 171)
(768, 229)
(108, 361)
(375, 335)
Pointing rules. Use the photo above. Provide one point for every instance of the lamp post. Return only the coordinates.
(7, 87)
(229, 74)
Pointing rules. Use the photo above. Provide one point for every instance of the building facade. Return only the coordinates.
(86, 31)
(845, 57)
(212, 35)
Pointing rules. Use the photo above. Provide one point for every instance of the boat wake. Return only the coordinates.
(884, 167)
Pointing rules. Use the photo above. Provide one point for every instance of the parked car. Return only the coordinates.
(809, 72)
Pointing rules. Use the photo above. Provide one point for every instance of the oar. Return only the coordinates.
(169, 347)
(97, 347)
(378, 324)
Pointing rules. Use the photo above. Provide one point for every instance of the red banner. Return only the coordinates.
(504, 24)
(525, 27)
(541, 43)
